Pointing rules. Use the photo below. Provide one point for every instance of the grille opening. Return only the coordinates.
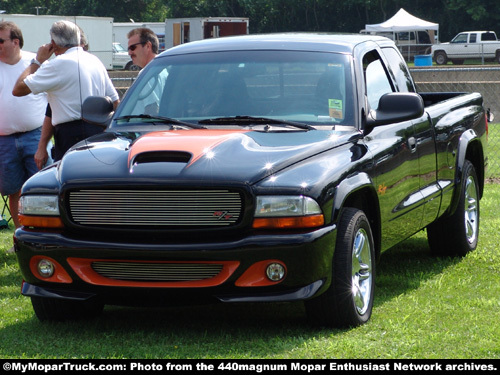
(155, 208)
(159, 272)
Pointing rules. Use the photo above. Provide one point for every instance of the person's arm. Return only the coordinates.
(43, 54)
(21, 88)
(41, 155)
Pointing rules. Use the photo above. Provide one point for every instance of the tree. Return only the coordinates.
(453, 16)
(119, 10)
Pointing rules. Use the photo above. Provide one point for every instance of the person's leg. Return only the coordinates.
(12, 174)
(14, 208)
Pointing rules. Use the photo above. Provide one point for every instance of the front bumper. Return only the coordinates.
(307, 258)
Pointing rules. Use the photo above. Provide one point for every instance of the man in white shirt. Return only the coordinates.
(20, 118)
(68, 79)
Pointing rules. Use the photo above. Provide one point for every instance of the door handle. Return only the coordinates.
(412, 144)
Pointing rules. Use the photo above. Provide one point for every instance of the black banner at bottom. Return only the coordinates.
(257, 366)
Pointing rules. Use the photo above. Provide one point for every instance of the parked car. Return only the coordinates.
(258, 168)
(468, 45)
(121, 58)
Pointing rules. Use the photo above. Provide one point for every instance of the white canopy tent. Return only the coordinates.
(412, 35)
(403, 21)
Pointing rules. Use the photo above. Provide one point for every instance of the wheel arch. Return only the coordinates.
(438, 51)
(358, 191)
(469, 148)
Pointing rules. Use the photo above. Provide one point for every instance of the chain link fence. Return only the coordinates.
(484, 79)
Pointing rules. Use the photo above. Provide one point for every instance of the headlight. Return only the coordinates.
(39, 205)
(40, 211)
(287, 212)
(279, 206)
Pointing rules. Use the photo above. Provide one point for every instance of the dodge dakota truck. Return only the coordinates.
(269, 168)
(481, 45)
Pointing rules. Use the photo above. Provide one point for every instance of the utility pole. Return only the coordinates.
(38, 8)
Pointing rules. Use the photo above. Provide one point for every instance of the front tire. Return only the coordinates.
(441, 58)
(348, 302)
(458, 234)
(132, 67)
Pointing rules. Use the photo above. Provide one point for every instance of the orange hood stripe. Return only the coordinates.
(196, 142)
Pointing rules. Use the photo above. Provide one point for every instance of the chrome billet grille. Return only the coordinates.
(192, 208)
(157, 272)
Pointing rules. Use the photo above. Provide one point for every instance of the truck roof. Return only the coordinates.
(321, 42)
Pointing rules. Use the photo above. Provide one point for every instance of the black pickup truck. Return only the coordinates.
(254, 169)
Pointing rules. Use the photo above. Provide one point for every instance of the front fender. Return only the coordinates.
(359, 191)
(348, 188)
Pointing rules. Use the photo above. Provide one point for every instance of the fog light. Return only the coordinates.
(45, 268)
(275, 272)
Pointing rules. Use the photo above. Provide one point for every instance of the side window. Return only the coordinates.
(488, 36)
(460, 38)
(472, 38)
(399, 70)
(377, 82)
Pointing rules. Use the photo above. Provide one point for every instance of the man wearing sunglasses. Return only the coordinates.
(143, 46)
(20, 118)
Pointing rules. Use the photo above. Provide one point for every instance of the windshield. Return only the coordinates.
(290, 86)
(119, 48)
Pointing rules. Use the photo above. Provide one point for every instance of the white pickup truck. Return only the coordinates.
(482, 45)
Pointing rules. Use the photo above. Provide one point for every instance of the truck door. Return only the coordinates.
(396, 164)
(425, 147)
(463, 46)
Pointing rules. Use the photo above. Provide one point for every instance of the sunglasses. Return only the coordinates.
(3, 40)
(132, 47)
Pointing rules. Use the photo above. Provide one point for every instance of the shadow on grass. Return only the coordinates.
(257, 330)
(404, 267)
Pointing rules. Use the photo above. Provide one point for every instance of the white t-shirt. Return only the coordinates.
(19, 114)
(62, 77)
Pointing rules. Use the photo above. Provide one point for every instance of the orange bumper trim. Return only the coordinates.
(83, 268)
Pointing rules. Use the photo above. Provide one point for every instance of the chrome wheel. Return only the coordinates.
(348, 302)
(458, 234)
(471, 210)
(362, 278)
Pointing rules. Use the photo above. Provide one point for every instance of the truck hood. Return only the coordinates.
(437, 45)
(208, 156)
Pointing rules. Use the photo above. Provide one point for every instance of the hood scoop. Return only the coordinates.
(162, 157)
(178, 146)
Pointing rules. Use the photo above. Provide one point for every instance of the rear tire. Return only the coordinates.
(348, 302)
(458, 234)
(60, 309)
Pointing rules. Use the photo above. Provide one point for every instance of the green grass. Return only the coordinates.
(493, 151)
(426, 307)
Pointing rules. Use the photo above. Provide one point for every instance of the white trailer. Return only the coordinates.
(183, 30)
(121, 29)
(35, 29)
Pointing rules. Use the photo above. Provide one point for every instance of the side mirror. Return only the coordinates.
(97, 110)
(489, 115)
(396, 107)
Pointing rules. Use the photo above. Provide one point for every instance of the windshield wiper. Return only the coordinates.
(165, 120)
(250, 120)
